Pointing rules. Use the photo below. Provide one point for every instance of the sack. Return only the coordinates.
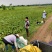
(21, 42)
(30, 48)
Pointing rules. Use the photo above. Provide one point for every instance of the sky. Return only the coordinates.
(24, 2)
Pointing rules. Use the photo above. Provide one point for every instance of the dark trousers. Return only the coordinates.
(44, 20)
(27, 31)
(6, 43)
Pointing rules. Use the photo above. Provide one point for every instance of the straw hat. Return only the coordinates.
(17, 35)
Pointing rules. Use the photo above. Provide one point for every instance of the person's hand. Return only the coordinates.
(26, 27)
(16, 49)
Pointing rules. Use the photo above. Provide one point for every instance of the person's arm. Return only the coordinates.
(16, 46)
(15, 43)
(28, 23)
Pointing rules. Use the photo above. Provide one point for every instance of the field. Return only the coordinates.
(12, 21)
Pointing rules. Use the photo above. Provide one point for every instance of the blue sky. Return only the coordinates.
(24, 2)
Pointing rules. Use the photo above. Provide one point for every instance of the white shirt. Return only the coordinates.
(44, 15)
(26, 24)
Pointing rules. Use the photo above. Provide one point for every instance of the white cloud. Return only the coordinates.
(20, 2)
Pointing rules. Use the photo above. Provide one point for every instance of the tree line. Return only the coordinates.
(10, 7)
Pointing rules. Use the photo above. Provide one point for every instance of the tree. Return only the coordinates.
(11, 7)
(3, 6)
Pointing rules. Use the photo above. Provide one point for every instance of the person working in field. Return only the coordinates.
(27, 26)
(15, 41)
(44, 16)
(11, 40)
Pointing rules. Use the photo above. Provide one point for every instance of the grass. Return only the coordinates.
(12, 21)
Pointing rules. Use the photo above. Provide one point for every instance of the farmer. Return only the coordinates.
(27, 26)
(11, 40)
(44, 16)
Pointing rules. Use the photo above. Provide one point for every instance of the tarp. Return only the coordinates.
(30, 48)
(45, 47)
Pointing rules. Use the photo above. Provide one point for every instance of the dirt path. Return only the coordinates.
(43, 34)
